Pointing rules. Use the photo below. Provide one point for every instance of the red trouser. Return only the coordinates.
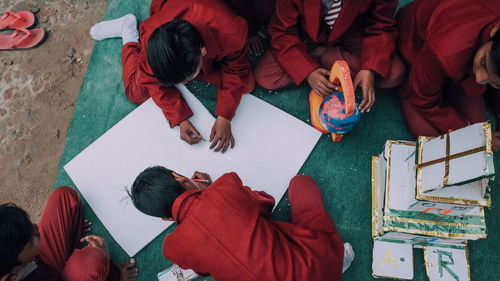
(60, 232)
(307, 206)
(470, 108)
(270, 75)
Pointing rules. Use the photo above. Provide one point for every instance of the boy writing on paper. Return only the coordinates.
(223, 228)
(452, 49)
(52, 250)
(184, 40)
(308, 36)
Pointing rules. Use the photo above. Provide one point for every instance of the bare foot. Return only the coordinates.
(128, 270)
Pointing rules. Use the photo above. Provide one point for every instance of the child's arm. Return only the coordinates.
(286, 46)
(379, 40)
(424, 87)
(140, 84)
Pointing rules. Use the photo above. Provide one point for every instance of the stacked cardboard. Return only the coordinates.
(430, 194)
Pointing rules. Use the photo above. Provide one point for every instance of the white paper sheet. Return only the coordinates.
(394, 260)
(271, 146)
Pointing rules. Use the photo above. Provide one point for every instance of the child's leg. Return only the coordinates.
(470, 107)
(306, 204)
(60, 227)
(396, 76)
(92, 263)
(338, 52)
(416, 122)
(349, 50)
(269, 73)
(124, 27)
(132, 79)
(89, 263)
(307, 207)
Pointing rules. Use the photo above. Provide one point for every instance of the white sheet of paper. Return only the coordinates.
(447, 264)
(271, 146)
(394, 260)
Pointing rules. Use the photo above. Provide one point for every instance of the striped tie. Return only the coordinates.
(333, 13)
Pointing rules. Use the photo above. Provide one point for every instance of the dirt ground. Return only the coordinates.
(38, 92)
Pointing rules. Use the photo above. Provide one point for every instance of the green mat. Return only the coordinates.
(342, 170)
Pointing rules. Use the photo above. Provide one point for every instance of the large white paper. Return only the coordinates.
(271, 146)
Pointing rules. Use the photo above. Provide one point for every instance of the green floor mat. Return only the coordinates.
(342, 170)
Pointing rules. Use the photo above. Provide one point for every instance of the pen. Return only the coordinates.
(201, 180)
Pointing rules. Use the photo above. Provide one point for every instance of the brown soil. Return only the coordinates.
(38, 92)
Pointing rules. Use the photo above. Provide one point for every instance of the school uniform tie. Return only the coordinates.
(333, 13)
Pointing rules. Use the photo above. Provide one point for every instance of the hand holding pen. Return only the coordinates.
(202, 180)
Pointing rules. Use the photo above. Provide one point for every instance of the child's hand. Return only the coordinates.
(255, 45)
(319, 82)
(202, 180)
(189, 133)
(221, 134)
(365, 79)
(96, 241)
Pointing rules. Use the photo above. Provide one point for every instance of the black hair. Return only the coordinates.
(174, 51)
(154, 192)
(495, 52)
(16, 230)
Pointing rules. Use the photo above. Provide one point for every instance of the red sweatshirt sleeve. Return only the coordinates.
(264, 201)
(140, 84)
(286, 46)
(235, 69)
(424, 88)
(379, 40)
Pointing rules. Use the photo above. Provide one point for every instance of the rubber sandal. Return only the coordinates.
(22, 39)
(12, 20)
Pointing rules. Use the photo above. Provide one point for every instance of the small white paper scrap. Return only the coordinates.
(175, 273)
